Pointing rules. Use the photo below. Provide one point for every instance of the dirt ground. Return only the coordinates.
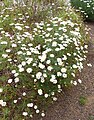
(68, 106)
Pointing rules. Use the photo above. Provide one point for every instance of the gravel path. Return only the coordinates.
(68, 106)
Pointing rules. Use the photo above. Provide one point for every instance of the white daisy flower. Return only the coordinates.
(89, 64)
(49, 29)
(18, 27)
(46, 95)
(35, 107)
(52, 55)
(63, 70)
(54, 44)
(64, 75)
(29, 70)
(80, 81)
(40, 92)
(30, 105)
(23, 63)
(42, 114)
(21, 69)
(38, 75)
(15, 101)
(54, 99)
(41, 66)
(1, 90)
(48, 61)
(74, 83)
(49, 68)
(24, 94)
(10, 80)
(4, 55)
(24, 113)
(14, 45)
(16, 80)
(13, 71)
(37, 111)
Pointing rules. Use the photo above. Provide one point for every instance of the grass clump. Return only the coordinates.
(82, 100)
(91, 117)
(86, 7)
(38, 56)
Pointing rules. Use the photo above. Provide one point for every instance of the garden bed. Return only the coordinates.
(41, 52)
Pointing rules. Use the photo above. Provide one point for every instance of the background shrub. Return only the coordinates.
(38, 56)
(86, 7)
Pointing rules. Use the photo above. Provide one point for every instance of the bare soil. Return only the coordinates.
(68, 106)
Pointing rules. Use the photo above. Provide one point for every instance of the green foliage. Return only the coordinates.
(82, 100)
(39, 54)
(91, 117)
(86, 7)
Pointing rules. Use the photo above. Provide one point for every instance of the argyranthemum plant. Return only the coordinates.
(86, 7)
(37, 59)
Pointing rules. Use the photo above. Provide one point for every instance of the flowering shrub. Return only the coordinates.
(37, 59)
(86, 7)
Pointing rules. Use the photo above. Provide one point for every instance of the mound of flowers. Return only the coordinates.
(37, 59)
(86, 7)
